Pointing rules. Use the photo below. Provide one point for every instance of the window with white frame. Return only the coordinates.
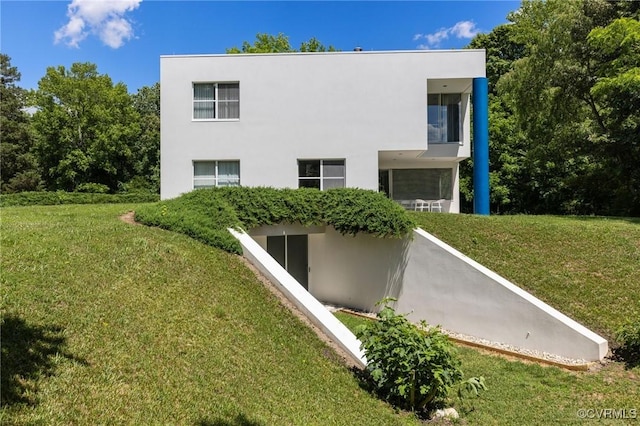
(444, 117)
(321, 174)
(207, 174)
(216, 101)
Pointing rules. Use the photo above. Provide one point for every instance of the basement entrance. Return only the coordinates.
(291, 252)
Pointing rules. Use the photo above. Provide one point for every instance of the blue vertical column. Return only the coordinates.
(480, 146)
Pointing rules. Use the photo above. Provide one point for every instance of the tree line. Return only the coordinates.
(564, 109)
(564, 116)
(78, 132)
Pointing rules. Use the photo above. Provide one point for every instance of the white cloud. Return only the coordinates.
(104, 18)
(462, 29)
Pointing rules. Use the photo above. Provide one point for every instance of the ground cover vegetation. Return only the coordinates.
(104, 322)
(206, 214)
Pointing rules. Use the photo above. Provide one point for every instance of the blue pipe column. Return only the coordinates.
(480, 146)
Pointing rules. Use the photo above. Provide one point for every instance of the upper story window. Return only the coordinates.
(321, 174)
(444, 117)
(216, 101)
(207, 174)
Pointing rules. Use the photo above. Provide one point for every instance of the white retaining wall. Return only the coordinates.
(442, 286)
(432, 282)
(309, 305)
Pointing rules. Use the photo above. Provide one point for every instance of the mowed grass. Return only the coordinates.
(525, 393)
(586, 267)
(109, 323)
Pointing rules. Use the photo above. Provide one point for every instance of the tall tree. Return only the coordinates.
(146, 148)
(616, 91)
(267, 43)
(19, 166)
(86, 126)
(569, 167)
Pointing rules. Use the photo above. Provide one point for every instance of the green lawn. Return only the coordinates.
(109, 323)
(524, 393)
(587, 267)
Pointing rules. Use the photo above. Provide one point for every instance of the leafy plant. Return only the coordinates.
(629, 337)
(410, 367)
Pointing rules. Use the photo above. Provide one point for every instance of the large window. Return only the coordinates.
(444, 118)
(216, 101)
(207, 174)
(426, 184)
(321, 174)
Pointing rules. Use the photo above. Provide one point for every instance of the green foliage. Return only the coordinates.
(19, 171)
(205, 214)
(268, 43)
(85, 128)
(572, 101)
(145, 149)
(351, 211)
(61, 197)
(629, 337)
(411, 368)
(95, 188)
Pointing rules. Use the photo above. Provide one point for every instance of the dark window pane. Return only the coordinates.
(308, 168)
(309, 183)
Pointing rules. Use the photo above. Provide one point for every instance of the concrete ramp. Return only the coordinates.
(445, 287)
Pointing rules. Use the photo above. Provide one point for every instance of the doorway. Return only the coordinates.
(291, 252)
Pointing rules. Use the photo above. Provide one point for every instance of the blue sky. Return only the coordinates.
(125, 38)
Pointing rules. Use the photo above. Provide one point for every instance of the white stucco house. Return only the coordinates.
(398, 122)
(394, 121)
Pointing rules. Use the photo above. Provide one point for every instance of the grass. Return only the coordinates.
(524, 393)
(109, 323)
(587, 267)
(105, 322)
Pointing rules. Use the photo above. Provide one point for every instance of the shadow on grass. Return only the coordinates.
(28, 353)
(240, 420)
(630, 358)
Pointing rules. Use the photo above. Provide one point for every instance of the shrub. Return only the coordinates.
(206, 214)
(61, 197)
(409, 367)
(92, 188)
(629, 337)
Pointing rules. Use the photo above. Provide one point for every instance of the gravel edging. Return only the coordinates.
(498, 347)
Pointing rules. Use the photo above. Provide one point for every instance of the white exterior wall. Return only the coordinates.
(344, 105)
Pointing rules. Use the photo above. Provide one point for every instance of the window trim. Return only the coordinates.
(215, 178)
(215, 101)
(322, 178)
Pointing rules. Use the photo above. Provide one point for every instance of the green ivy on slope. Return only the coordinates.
(205, 214)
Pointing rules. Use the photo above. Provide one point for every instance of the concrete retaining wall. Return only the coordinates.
(309, 305)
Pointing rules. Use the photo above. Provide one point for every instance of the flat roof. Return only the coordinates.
(349, 52)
